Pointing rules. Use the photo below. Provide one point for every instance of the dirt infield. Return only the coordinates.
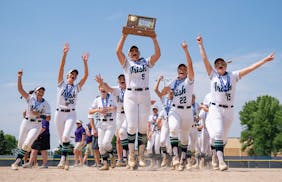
(87, 174)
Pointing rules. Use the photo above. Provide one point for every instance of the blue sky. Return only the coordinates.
(33, 33)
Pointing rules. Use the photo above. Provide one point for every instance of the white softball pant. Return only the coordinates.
(203, 141)
(193, 140)
(154, 141)
(164, 138)
(218, 122)
(180, 122)
(137, 109)
(106, 132)
(29, 131)
(121, 126)
(64, 122)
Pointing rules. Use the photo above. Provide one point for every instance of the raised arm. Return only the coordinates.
(190, 69)
(204, 55)
(120, 54)
(20, 86)
(251, 68)
(63, 61)
(104, 85)
(85, 75)
(157, 54)
(156, 87)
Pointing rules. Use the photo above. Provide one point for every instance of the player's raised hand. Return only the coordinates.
(99, 79)
(184, 45)
(199, 40)
(85, 57)
(20, 73)
(66, 48)
(270, 57)
(160, 77)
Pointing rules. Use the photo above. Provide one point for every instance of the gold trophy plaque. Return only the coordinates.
(140, 25)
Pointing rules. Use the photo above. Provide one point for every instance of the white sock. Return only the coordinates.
(219, 155)
(175, 151)
(131, 147)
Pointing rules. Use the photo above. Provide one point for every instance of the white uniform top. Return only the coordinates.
(137, 73)
(119, 94)
(100, 103)
(152, 121)
(218, 94)
(182, 90)
(166, 104)
(163, 115)
(207, 99)
(42, 107)
(67, 95)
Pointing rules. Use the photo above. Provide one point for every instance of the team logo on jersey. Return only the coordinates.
(138, 69)
(178, 92)
(219, 88)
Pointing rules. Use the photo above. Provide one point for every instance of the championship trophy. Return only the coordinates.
(140, 25)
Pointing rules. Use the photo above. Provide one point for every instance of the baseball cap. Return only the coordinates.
(155, 107)
(218, 60)
(38, 88)
(73, 70)
(133, 47)
(78, 121)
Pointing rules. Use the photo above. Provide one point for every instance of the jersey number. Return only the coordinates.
(182, 100)
(143, 76)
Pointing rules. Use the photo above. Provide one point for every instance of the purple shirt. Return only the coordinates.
(89, 138)
(78, 133)
(45, 125)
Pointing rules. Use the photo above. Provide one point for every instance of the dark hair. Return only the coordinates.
(121, 75)
(181, 65)
(218, 60)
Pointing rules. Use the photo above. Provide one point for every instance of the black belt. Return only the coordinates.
(138, 89)
(181, 107)
(33, 120)
(221, 105)
(65, 110)
(105, 119)
(122, 112)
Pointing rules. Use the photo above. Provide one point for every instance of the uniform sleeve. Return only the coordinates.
(47, 110)
(61, 84)
(161, 115)
(212, 74)
(77, 87)
(236, 74)
(94, 105)
(115, 91)
(149, 63)
(125, 64)
(188, 81)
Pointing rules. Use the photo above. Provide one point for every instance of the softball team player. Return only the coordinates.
(137, 95)
(223, 85)
(180, 117)
(203, 135)
(105, 106)
(65, 115)
(192, 153)
(153, 134)
(121, 130)
(163, 121)
(37, 110)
